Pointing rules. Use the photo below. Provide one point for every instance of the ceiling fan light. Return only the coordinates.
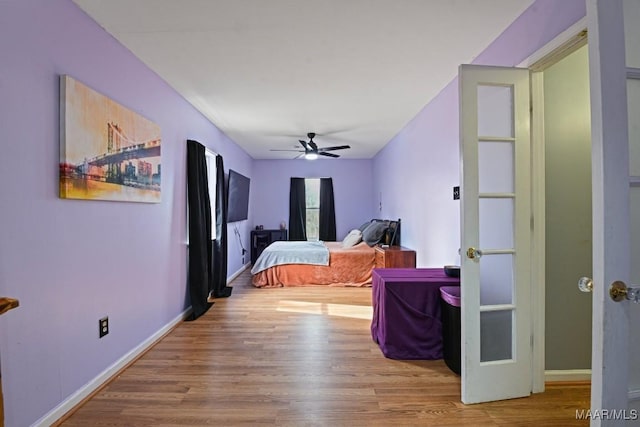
(311, 156)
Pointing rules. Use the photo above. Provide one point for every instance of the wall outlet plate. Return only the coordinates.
(103, 324)
(456, 193)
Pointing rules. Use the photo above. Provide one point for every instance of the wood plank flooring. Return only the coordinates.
(300, 357)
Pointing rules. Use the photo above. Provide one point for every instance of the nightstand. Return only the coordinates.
(395, 257)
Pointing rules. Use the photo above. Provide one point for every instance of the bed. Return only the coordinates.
(346, 263)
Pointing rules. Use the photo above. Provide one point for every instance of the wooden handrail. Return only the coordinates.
(7, 304)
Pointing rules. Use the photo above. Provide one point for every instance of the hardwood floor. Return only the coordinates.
(300, 357)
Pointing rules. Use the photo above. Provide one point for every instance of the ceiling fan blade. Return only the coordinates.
(313, 146)
(338, 147)
(299, 156)
(322, 153)
(304, 144)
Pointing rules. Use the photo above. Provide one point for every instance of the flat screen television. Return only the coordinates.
(238, 197)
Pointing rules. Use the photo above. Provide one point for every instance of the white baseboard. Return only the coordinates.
(74, 399)
(567, 375)
(239, 272)
(581, 375)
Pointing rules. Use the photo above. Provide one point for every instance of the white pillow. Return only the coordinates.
(353, 238)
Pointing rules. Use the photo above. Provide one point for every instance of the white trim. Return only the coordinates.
(496, 139)
(496, 307)
(538, 197)
(567, 375)
(239, 272)
(85, 391)
(538, 233)
(558, 42)
(497, 195)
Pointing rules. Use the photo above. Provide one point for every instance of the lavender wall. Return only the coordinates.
(423, 161)
(71, 262)
(352, 187)
(424, 156)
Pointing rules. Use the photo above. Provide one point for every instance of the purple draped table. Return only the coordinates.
(406, 321)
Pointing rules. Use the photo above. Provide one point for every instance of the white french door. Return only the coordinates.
(495, 233)
(615, 105)
(495, 227)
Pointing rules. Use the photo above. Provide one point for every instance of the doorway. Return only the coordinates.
(568, 216)
(562, 254)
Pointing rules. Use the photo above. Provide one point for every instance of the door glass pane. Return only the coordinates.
(495, 111)
(496, 223)
(496, 279)
(490, 178)
(633, 101)
(496, 335)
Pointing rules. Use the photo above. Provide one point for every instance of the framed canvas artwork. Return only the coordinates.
(107, 152)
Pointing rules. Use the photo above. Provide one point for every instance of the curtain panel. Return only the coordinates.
(297, 210)
(327, 226)
(200, 250)
(219, 288)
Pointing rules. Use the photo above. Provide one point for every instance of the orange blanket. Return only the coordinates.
(347, 267)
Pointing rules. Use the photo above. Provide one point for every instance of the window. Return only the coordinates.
(312, 213)
(312, 191)
(210, 157)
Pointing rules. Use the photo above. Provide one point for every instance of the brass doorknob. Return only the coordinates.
(620, 291)
(473, 253)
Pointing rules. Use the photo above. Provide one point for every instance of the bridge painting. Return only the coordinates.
(107, 152)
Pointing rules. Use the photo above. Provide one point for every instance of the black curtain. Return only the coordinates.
(199, 273)
(297, 210)
(219, 286)
(327, 230)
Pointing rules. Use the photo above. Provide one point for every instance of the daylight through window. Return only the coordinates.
(210, 157)
(312, 190)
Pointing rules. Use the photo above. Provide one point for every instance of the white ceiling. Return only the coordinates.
(266, 72)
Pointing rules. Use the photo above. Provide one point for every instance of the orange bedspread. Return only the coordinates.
(347, 267)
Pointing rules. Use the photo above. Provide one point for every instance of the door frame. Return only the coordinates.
(609, 324)
(557, 49)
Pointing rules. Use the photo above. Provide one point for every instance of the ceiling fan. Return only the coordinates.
(312, 151)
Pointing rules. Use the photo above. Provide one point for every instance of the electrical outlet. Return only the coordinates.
(456, 193)
(103, 324)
